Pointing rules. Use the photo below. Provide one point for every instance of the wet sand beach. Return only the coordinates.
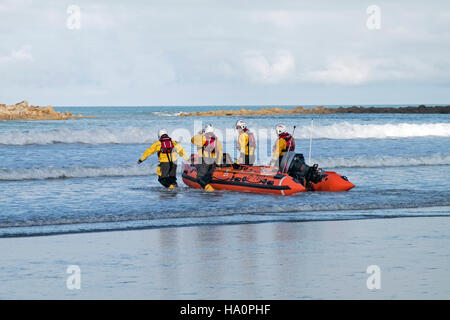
(283, 260)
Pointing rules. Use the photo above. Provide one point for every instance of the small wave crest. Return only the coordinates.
(75, 172)
(166, 114)
(384, 161)
(134, 170)
(39, 227)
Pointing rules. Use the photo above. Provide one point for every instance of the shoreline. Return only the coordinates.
(280, 260)
(105, 227)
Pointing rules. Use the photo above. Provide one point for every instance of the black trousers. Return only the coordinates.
(168, 174)
(204, 173)
(279, 162)
(247, 159)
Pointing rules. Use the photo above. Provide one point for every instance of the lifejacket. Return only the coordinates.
(290, 142)
(210, 143)
(166, 145)
(251, 138)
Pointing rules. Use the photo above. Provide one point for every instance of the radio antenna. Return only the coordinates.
(310, 141)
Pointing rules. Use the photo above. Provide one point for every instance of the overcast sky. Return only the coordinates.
(206, 52)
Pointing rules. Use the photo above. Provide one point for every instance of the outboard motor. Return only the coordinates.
(294, 164)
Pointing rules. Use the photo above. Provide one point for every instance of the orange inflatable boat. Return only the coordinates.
(293, 177)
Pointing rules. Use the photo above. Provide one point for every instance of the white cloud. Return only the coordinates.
(260, 69)
(350, 70)
(344, 71)
(411, 69)
(280, 18)
(141, 50)
(14, 5)
(23, 54)
(97, 18)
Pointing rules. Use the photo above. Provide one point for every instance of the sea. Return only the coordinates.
(77, 176)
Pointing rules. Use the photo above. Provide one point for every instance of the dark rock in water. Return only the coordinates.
(21, 111)
(321, 110)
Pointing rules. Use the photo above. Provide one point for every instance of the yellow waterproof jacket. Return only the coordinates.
(156, 147)
(279, 149)
(243, 146)
(199, 140)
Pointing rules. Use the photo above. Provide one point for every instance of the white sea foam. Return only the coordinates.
(166, 114)
(133, 135)
(128, 135)
(346, 130)
(75, 172)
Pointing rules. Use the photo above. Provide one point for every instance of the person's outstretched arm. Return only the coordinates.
(179, 149)
(149, 151)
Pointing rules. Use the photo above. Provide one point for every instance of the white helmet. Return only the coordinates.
(209, 128)
(280, 128)
(241, 124)
(161, 133)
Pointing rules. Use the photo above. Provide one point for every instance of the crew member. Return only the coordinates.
(246, 144)
(209, 154)
(167, 150)
(284, 144)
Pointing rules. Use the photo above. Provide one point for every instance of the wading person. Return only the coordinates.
(209, 150)
(246, 144)
(167, 150)
(285, 143)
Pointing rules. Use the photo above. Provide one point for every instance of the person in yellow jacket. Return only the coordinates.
(285, 143)
(167, 150)
(246, 144)
(209, 154)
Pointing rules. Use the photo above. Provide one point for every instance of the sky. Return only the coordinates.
(207, 52)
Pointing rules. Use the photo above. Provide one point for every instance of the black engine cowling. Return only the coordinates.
(294, 164)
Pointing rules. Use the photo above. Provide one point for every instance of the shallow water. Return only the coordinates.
(78, 176)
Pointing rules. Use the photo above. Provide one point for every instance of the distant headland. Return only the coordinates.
(22, 111)
(318, 110)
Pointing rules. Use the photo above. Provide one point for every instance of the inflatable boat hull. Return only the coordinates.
(264, 179)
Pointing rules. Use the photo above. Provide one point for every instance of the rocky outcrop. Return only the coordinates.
(318, 110)
(22, 111)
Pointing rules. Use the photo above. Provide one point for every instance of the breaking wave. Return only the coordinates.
(166, 114)
(136, 135)
(129, 135)
(75, 172)
(345, 130)
(144, 170)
